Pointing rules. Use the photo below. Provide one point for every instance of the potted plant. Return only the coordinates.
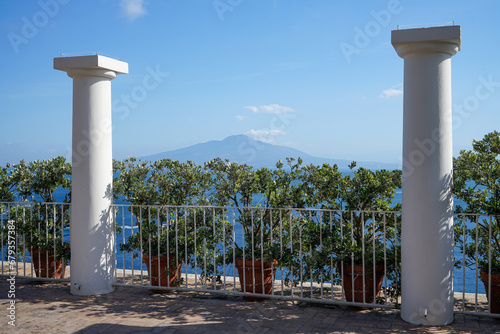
(40, 222)
(158, 245)
(258, 251)
(358, 236)
(316, 187)
(369, 242)
(162, 195)
(476, 183)
(256, 257)
(49, 252)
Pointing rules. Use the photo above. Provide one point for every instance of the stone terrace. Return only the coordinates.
(50, 308)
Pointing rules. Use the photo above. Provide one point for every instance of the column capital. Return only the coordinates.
(86, 72)
(427, 40)
(93, 65)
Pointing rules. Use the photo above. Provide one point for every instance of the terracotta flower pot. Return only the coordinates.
(361, 295)
(251, 275)
(495, 290)
(164, 279)
(45, 263)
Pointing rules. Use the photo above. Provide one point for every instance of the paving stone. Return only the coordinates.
(384, 324)
(50, 307)
(330, 320)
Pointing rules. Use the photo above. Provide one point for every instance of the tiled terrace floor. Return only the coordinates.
(50, 308)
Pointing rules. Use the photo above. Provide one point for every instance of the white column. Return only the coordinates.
(91, 225)
(427, 218)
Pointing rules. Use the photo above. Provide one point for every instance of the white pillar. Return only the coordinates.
(427, 218)
(91, 225)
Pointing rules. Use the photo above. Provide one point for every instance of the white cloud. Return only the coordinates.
(254, 109)
(391, 92)
(266, 136)
(271, 109)
(133, 9)
(241, 117)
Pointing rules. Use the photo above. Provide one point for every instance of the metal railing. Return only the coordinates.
(309, 253)
(294, 254)
(34, 239)
(477, 258)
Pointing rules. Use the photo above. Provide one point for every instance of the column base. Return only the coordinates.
(77, 289)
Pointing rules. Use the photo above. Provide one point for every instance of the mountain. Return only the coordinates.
(245, 150)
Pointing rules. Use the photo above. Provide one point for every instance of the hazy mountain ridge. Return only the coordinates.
(245, 150)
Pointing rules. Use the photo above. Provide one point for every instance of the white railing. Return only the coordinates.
(31, 233)
(310, 252)
(477, 255)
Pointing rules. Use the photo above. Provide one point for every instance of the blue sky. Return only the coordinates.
(320, 76)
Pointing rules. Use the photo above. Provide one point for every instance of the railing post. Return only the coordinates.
(91, 232)
(427, 215)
